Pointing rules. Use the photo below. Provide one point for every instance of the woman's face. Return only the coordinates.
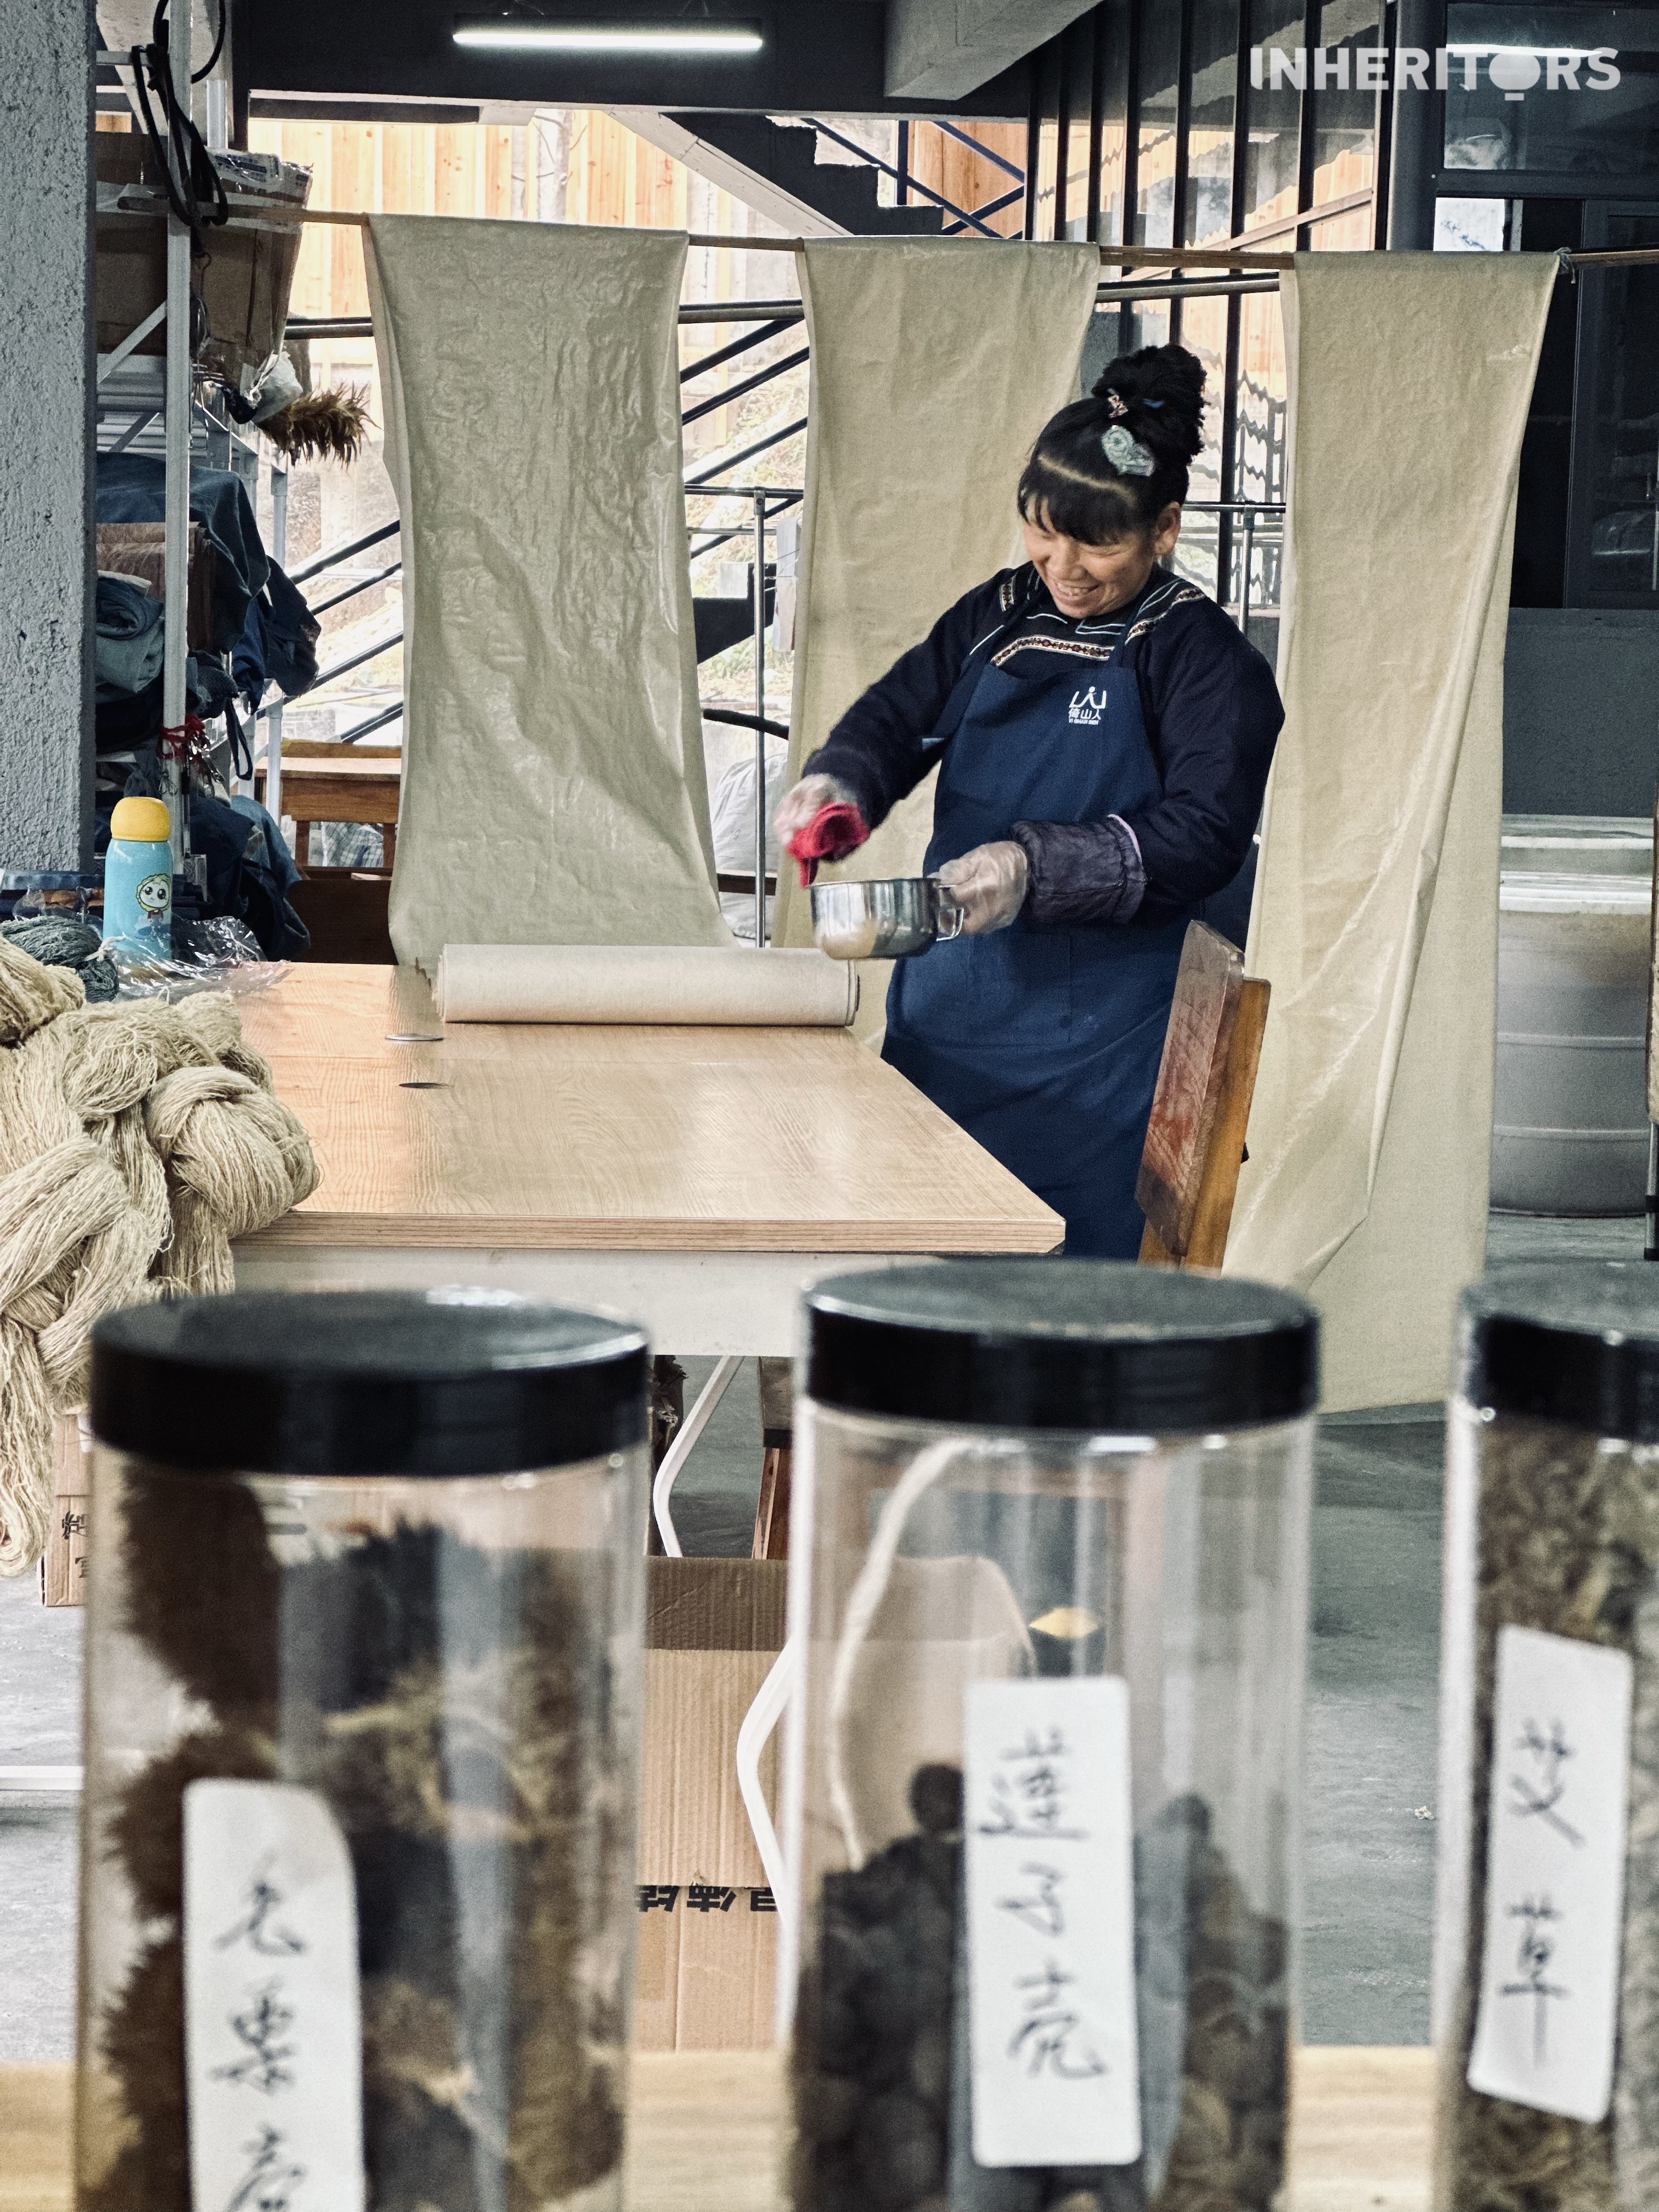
(1092, 580)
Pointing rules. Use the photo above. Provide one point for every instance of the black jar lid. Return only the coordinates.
(1575, 1342)
(408, 1383)
(1061, 1344)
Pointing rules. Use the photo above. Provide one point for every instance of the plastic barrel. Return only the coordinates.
(1570, 1116)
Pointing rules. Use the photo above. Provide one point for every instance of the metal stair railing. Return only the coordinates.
(738, 391)
(739, 345)
(986, 153)
(965, 217)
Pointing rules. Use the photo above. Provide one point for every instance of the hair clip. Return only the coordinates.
(1126, 453)
(1114, 405)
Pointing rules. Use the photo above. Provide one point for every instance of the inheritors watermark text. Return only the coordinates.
(1512, 70)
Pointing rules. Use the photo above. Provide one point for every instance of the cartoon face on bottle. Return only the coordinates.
(154, 895)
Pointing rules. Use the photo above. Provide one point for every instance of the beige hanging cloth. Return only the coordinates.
(935, 363)
(554, 790)
(1376, 915)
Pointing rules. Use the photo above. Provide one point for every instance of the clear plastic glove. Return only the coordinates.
(988, 884)
(819, 819)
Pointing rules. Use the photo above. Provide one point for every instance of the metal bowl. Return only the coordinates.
(888, 919)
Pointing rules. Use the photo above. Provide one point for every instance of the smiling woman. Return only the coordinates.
(1102, 733)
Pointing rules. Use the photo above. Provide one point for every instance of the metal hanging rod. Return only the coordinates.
(1225, 256)
(700, 310)
(1184, 288)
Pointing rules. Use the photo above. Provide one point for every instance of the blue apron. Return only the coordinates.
(1044, 1044)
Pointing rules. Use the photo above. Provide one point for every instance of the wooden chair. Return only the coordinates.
(1189, 1163)
(777, 1448)
(1194, 1144)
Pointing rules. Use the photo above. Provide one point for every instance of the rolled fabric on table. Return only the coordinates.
(688, 984)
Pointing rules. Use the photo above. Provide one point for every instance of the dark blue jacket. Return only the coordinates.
(1212, 709)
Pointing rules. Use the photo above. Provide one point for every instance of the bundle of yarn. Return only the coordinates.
(62, 942)
(136, 1140)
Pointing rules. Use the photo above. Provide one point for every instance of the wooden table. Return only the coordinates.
(694, 1178)
(707, 2133)
(350, 788)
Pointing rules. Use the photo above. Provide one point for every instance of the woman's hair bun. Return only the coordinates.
(1162, 388)
(1085, 476)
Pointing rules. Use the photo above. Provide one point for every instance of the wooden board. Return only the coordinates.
(707, 2133)
(338, 790)
(590, 1138)
(64, 1567)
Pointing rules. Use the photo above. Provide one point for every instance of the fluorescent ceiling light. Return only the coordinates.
(514, 35)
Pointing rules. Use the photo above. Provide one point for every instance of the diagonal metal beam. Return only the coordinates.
(750, 384)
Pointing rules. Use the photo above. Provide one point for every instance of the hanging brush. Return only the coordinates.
(310, 426)
(321, 426)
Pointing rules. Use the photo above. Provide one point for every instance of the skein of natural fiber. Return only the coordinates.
(136, 1141)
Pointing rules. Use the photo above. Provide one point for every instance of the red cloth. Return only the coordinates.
(834, 831)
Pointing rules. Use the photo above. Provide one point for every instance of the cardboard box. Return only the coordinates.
(707, 1928)
(63, 1568)
(245, 280)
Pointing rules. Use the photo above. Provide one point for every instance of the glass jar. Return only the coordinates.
(1546, 1989)
(1050, 1584)
(363, 1684)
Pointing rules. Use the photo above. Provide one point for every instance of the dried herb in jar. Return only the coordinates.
(882, 2099)
(450, 1706)
(1567, 1542)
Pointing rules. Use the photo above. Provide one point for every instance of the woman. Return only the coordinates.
(1104, 734)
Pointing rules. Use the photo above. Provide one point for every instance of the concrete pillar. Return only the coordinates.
(47, 390)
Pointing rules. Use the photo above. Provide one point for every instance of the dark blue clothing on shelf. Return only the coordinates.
(122, 720)
(1212, 712)
(128, 719)
(127, 653)
(132, 488)
(278, 644)
(277, 858)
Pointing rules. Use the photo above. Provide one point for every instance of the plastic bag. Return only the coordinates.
(215, 955)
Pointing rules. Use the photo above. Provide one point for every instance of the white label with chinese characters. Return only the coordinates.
(1050, 1906)
(1555, 1875)
(273, 2038)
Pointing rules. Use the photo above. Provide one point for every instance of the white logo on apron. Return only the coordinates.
(1085, 706)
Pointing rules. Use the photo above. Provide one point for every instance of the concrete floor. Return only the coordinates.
(1370, 1753)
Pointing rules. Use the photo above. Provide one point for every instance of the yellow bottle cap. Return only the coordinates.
(146, 820)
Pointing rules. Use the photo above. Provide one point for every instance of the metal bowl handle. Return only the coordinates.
(951, 913)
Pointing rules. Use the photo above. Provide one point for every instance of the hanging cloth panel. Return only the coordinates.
(1376, 913)
(935, 363)
(554, 790)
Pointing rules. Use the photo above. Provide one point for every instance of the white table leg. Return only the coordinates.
(680, 1450)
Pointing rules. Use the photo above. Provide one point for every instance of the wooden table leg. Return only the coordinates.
(772, 1515)
(777, 1412)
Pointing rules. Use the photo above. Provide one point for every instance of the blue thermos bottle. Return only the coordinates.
(138, 877)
